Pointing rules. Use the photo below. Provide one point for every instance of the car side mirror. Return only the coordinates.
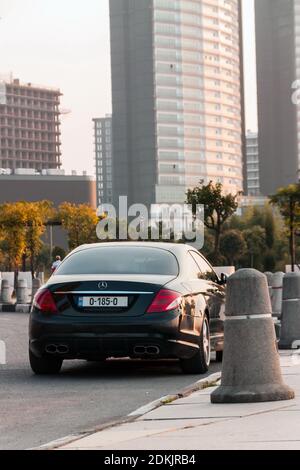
(223, 279)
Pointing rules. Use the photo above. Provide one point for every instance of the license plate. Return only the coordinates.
(103, 301)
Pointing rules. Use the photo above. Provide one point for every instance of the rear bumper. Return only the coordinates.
(93, 340)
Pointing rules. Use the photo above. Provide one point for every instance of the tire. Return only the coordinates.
(44, 365)
(219, 356)
(199, 363)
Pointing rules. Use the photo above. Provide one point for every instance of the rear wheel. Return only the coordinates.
(199, 363)
(44, 365)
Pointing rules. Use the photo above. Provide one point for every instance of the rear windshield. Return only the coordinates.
(120, 260)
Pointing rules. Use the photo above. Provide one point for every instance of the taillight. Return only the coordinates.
(164, 301)
(44, 301)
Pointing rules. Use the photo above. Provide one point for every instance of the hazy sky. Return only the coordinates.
(65, 44)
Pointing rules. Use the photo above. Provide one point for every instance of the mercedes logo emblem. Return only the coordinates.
(102, 285)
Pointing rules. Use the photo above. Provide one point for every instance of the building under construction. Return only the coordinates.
(29, 126)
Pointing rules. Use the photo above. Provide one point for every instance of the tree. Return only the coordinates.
(208, 246)
(269, 262)
(235, 222)
(42, 259)
(13, 230)
(80, 222)
(3, 258)
(218, 208)
(287, 199)
(37, 215)
(255, 238)
(233, 246)
(22, 224)
(269, 223)
(257, 215)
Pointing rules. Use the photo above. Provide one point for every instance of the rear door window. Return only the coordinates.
(193, 267)
(206, 270)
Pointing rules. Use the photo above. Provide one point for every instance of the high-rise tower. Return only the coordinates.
(278, 66)
(176, 97)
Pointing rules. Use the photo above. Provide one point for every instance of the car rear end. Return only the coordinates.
(62, 324)
(93, 316)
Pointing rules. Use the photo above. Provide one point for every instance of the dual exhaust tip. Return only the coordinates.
(138, 350)
(146, 350)
(57, 349)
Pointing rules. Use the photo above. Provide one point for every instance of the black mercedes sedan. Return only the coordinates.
(143, 300)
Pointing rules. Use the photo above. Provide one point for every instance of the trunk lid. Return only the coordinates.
(138, 291)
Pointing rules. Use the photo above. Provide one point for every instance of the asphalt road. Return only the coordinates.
(35, 410)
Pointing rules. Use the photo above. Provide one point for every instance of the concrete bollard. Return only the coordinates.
(276, 296)
(22, 292)
(290, 321)
(269, 276)
(251, 368)
(36, 284)
(6, 292)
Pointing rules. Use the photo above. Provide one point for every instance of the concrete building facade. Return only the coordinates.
(278, 66)
(176, 97)
(252, 164)
(29, 126)
(79, 189)
(103, 159)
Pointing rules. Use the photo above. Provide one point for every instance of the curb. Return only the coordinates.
(153, 405)
(133, 416)
(185, 392)
(201, 384)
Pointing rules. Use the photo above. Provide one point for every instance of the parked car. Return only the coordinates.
(129, 299)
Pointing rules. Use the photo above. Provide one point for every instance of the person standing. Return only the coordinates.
(56, 264)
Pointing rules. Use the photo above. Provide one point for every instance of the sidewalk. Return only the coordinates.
(193, 423)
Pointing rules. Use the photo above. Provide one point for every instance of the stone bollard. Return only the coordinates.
(6, 292)
(251, 368)
(36, 284)
(22, 292)
(290, 321)
(276, 297)
(269, 276)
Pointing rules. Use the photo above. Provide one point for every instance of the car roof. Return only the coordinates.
(176, 248)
